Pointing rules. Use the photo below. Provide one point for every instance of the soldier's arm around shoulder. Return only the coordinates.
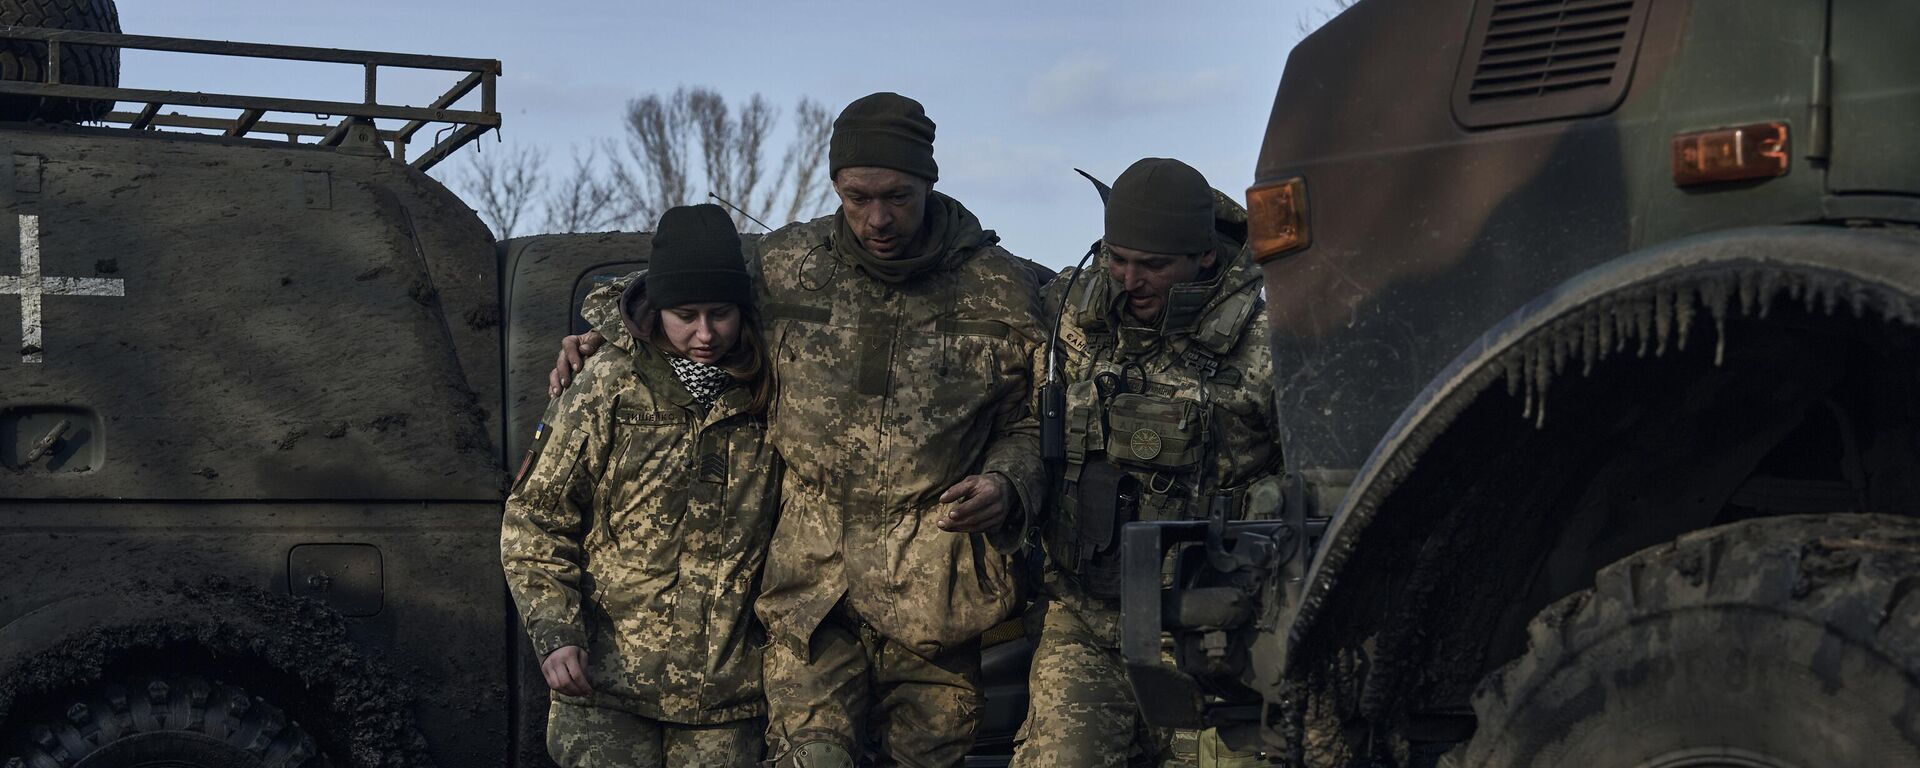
(601, 308)
(548, 511)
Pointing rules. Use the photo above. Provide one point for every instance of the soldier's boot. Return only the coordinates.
(816, 754)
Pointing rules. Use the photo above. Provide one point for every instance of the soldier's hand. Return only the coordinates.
(566, 671)
(977, 504)
(574, 351)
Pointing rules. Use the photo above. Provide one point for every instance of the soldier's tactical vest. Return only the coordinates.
(1140, 428)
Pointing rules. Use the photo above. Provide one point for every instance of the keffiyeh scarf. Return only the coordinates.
(706, 382)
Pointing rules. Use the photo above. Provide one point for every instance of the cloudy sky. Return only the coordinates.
(1023, 92)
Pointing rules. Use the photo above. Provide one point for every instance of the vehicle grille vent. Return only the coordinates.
(1534, 60)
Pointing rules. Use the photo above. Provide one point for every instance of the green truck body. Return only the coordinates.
(1525, 362)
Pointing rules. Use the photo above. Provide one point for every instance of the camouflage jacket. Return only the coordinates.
(1169, 415)
(890, 394)
(638, 532)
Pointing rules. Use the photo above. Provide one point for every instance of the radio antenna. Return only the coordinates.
(737, 209)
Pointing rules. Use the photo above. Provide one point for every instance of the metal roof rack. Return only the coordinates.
(463, 126)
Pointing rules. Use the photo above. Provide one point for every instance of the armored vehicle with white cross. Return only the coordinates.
(1596, 333)
(252, 416)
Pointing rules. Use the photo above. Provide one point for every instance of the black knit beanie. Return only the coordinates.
(696, 259)
(885, 130)
(1161, 206)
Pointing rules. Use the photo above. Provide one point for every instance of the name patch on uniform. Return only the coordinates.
(641, 415)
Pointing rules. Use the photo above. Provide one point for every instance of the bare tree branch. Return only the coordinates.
(671, 144)
(503, 185)
(657, 145)
(713, 126)
(587, 200)
(632, 211)
(732, 149)
(749, 133)
(803, 168)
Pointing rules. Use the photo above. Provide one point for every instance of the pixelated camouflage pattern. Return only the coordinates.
(1081, 711)
(595, 737)
(1244, 455)
(638, 533)
(889, 395)
(872, 696)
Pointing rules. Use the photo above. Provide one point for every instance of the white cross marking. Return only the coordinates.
(30, 285)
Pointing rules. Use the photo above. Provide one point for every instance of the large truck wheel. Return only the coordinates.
(164, 722)
(79, 64)
(1785, 642)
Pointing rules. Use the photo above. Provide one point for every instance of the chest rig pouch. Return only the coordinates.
(1086, 539)
(1155, 433)
(1136, 455)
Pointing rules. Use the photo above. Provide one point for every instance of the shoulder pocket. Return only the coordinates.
(551, 466)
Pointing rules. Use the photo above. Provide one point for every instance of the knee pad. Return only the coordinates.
(816, 754)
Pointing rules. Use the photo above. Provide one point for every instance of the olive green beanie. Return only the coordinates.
(697, 259)
(1160, 205)
(884, 130)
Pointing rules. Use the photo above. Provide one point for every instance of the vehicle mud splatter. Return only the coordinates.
(1652, 317)
(293, 651)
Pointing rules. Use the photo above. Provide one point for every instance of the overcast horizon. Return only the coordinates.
(1022, 93)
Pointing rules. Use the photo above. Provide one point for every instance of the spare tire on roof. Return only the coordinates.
(79, 64)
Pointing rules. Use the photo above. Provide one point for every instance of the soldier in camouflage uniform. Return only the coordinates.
(1163, 346)
(634, 537)
(903, 337)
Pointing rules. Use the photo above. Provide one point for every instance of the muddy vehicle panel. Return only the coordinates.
(252, 433)
(319, 254)
(1599, 320)
(145, 591)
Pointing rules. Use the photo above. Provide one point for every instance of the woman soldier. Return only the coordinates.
(633, 539)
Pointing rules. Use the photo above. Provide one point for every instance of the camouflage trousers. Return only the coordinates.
(1081, 712)
(883, 703)
(580, 736)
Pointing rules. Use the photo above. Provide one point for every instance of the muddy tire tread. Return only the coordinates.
(1858, 576)
(95, 719)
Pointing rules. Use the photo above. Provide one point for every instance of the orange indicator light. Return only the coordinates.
(1277, 218)
(1757, 151)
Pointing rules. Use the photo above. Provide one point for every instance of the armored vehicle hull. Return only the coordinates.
(269, 379)
(1594, 327)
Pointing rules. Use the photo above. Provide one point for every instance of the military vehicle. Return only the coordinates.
(1594, 326)
(255, 423)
